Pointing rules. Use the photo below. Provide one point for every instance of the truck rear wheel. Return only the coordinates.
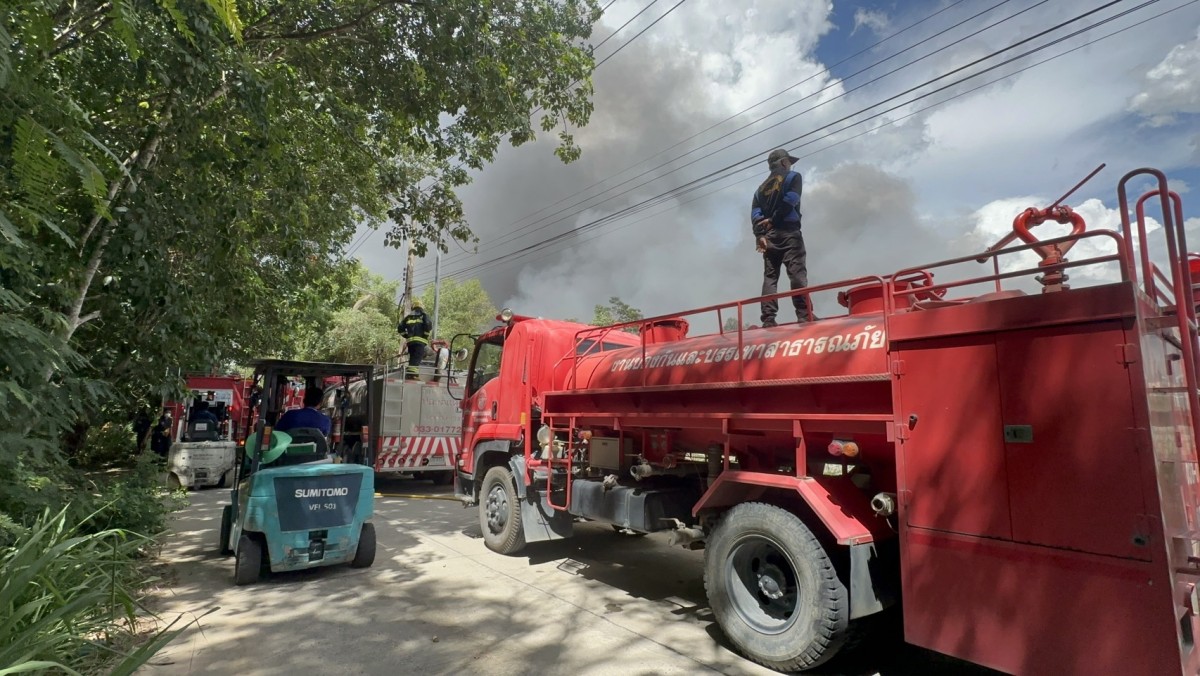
(773, 589)
(364, 556)
(226, 528)
(500, 512)
(247, 568)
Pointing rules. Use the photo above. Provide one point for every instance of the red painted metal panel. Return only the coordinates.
(954, 473)
(1075, 483)
(1024, 609)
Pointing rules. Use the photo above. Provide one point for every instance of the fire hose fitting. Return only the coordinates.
(884, 504)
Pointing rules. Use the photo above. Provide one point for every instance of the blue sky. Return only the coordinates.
(921, 185)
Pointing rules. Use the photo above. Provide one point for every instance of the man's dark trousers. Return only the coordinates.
(416, 352)
(785, 247)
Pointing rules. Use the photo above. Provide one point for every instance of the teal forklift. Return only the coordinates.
(299, 501)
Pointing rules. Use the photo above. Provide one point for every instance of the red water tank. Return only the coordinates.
(834, 349)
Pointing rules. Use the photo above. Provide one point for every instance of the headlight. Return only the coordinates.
(544, 436)
(506, 315)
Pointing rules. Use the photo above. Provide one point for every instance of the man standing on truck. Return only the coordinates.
(415, 328)
(775, 221)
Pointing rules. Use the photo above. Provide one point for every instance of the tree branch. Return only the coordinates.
(139, 159)
(341, 28)
(68, 37)
(89, 317)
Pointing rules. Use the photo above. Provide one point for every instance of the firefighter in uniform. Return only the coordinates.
(775, 219)
(415, 328)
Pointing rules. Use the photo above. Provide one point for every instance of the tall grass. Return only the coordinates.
(68, 600)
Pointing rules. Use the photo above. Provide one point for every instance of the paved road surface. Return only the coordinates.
(438, 602)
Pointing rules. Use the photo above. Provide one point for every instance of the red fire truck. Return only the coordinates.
(1016, 469)
(231, 392)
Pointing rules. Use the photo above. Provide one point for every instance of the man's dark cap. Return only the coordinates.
(780, 154)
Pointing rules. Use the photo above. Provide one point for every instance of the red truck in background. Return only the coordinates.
(230, 391)
(1017, 471)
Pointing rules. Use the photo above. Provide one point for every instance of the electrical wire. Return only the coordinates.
(888, 123)
(724, 172)
(781, 92)
(543, 223)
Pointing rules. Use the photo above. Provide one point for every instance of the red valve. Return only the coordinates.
(1061, 214)
(1051, 254)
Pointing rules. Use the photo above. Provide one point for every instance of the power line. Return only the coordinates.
(745, 110)
(514, 235)
(639, 34)
(622, 26)
(722, 173)
(622, 45)
(888, 123)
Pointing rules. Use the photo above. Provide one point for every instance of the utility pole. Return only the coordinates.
(437, 290)
(408, 279)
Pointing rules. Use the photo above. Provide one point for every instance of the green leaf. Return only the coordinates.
(181, 22)
(125, 25)
(9, 232)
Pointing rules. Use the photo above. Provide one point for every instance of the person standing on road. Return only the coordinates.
(415, 328)
(775, 221)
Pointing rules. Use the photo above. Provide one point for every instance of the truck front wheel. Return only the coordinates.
(773, 589)
(500, 512)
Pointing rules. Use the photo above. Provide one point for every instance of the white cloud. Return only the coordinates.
(875, 20)
(1172, 86)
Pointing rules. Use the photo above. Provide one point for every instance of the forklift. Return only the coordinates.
(298, 501)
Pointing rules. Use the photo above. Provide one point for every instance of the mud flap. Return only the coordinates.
(874, 582)
(540, 521)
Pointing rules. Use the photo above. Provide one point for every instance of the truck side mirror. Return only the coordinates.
(461, 354)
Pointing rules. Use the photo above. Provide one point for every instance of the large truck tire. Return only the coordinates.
(500, 512)
(773, 589)
(226, 529)
(247, 568)
(443, 478)
(364, 556)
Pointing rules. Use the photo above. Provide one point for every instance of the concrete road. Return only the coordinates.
(438, 602)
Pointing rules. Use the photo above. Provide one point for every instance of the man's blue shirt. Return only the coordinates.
(303, 417)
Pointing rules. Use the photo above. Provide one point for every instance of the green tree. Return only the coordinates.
(179, 179)
(730, 325)
(463, 307)
(616, 312)
(360, 335)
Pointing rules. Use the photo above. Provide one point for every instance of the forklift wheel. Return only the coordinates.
(248, 566)
(365, 556)
(226, 528)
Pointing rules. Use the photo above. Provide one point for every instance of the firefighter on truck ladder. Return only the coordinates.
(415, 328)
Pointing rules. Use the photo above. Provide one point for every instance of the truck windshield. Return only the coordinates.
(485, 366)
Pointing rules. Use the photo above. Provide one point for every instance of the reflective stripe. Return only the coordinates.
(419, 339)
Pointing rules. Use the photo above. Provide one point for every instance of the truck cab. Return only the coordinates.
(510, 367)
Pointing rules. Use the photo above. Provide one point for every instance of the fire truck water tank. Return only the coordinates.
(838, 349)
